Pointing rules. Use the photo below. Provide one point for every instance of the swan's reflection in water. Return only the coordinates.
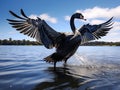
(63, 78)
(78, 78)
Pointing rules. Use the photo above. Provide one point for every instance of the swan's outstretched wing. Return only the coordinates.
(35, 28)
(91, 32)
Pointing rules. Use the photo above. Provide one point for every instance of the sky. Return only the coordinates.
(57, 14)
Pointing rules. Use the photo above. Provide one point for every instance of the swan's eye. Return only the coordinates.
(81, 17)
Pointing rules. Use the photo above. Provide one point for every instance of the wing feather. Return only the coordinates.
(15, 20)
(16, 15)
(91, 32)
(35, 28)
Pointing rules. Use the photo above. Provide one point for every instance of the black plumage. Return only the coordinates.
(66, 44)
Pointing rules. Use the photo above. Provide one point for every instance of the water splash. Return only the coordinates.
(81, 59)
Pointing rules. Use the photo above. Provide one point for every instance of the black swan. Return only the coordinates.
(65, 44)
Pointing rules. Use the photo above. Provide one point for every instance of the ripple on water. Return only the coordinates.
(86, 70)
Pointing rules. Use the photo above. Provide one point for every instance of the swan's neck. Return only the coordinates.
(72, 24)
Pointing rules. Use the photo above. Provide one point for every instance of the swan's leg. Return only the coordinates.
(65, 60)
(55, 65)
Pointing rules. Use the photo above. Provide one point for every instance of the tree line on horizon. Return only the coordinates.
(28, 42)
(18, 42)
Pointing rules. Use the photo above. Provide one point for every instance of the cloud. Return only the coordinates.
(12, 32)
(96, 21)
(67, 18)
(33, 16)
(44, 16)
(98, 12)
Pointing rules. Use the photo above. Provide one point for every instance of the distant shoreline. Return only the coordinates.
(35, 43)
(101, 43)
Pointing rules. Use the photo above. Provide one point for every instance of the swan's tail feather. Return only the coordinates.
(53, 58)
(49, 59)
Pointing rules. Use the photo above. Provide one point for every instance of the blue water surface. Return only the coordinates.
(91, 68)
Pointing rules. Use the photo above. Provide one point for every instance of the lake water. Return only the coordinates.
(91, 68)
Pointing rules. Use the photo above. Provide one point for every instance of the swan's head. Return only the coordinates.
(78, 16)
